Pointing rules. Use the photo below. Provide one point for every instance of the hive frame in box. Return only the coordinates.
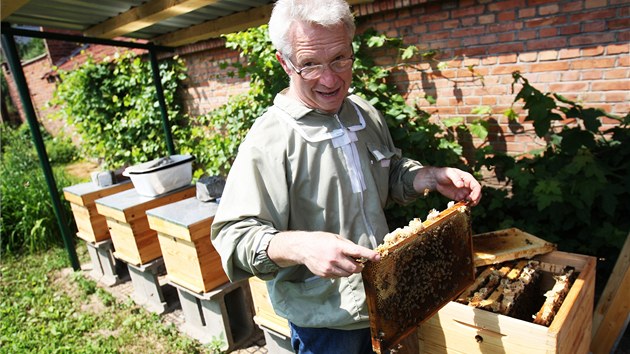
(463, 328)
(418, 276)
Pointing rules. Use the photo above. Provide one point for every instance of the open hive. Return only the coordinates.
(531, 300)
(529, 290)
(422, 268)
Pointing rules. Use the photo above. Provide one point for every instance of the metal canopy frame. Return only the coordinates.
(13, 59)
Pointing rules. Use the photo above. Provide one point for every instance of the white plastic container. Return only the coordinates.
(161, 175)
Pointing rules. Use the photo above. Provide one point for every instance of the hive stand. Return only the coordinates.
(92, 228)
(224, 313)
(105, 268)
(214, 308)
(147, 291)
(136, 244)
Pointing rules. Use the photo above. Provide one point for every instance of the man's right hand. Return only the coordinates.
(325, 254)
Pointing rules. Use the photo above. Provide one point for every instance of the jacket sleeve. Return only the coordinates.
(253, 207)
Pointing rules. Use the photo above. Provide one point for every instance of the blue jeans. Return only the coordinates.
(330, 341)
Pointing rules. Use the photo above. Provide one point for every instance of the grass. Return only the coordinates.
(47, 308)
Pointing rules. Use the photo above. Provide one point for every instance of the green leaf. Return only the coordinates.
(547, 192)
(479, 128)
(483, 110)
(452, 122)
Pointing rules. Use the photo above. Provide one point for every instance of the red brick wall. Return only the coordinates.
(576, 48)
(41, 90)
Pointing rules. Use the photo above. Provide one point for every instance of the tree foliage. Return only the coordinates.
(114, 107)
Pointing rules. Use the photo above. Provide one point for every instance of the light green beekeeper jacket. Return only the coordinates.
(300, 169)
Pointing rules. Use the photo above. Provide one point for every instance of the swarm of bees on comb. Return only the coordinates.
(423, 266)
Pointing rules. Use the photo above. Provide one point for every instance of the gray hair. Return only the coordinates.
(326, 13)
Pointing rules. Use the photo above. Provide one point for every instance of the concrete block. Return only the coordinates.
(225, 313)
(105, 268)
(210, 188)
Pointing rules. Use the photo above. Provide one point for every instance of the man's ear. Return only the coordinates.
(284, 64)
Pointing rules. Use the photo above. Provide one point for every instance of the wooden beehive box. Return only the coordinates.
(91, 226)
(265, 316)
(135, 242)
(183, 230)
(458, 328)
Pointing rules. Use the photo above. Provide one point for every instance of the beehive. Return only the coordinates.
(265, 316)
(184, 236)
(91, 226)
(417, 276)
(460, 328)
(135, 242)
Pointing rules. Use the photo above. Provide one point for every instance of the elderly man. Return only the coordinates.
(304, 199)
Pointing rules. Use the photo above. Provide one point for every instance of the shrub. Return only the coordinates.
(28, 221)
(113, 106)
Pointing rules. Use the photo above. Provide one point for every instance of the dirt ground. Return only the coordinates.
(82, 169)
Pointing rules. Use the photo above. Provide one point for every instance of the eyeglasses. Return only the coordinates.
(311, 72)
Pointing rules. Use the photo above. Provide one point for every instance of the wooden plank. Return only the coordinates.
(143, 16)
(8, 7)
(613, 308)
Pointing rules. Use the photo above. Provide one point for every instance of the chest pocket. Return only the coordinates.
(380, 163)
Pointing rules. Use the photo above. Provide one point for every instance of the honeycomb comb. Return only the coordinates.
(418, 276)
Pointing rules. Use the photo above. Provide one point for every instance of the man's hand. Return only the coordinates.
(450, 182)
(325, 254)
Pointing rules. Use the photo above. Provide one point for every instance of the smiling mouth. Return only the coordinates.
(329, 94)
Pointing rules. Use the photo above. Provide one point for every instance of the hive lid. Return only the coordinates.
(157, 164)
(506, 245)
(418, 276)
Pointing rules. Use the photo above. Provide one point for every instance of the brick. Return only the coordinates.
(528, 57)
(570, 75)
(549, 43)
(526, 13)
(548, 32)
(569, 29)
(550, 66)
(548, 55)
(616, 96)
(591, 4)
(548, 9)
(616, 73)
(527, 35)
(569, 53)
(593, 51)
(508, 58)
(509, 15)
(592, 15)
(618, 24)
(617, 49)
(564, 87)
(505, 5)
(593, 63)
(545, 22)
(611, 85)
(591, 75)
(485, 19)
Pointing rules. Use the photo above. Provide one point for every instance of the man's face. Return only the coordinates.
(316, 45)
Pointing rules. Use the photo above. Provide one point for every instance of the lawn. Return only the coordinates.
(45, 307)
